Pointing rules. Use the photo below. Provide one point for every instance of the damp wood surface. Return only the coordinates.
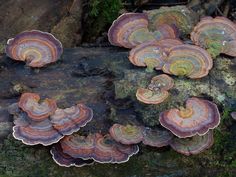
(105, 80)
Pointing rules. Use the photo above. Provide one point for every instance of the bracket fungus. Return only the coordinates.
(131, 29)
(102, 149)
(217, 35)
(31, 130)
(29, 102)
(35, 47)
(179, 17)
(149, 97)
(152, 54)
(35, 132)
(157, 90)
(156, 137)
(70, 120)
(197, 118)
(193, 145)
(148, 54)
(63, 159)
(165, 31)
(161, 82)
(131, 134)
(188, 60)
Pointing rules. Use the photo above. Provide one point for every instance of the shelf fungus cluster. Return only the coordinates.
(167, 52)
(192, 125)
(36, 48)
(131, 29)
(190, 129)
(79, 150)
(152, 54)
(217, 35)
(197, 118)
(43, 123)
(157, 90)
(132, 134)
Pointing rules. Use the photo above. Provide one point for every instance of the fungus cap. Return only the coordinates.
(69, 120)
(148, 96)
(129, 29)
(178, 17)
(217, 35)
(161, 82)
(35, 132)
(193, 145)
(29, 102)
(129, 134)
(64, 160)
(102, 149)
(35, 47)
(188, 60)
(197, 118)
(148, 54)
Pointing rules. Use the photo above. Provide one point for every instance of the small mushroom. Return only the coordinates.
(29, 102)
(197, 118)
(217, 35)
(35, 47)
(188, 60)
(193, 145)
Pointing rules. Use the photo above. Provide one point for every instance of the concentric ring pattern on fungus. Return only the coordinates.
(197, 118)
(35, 47)
(102, 149)
(217, 35)
(193, 145)
(188, 60)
